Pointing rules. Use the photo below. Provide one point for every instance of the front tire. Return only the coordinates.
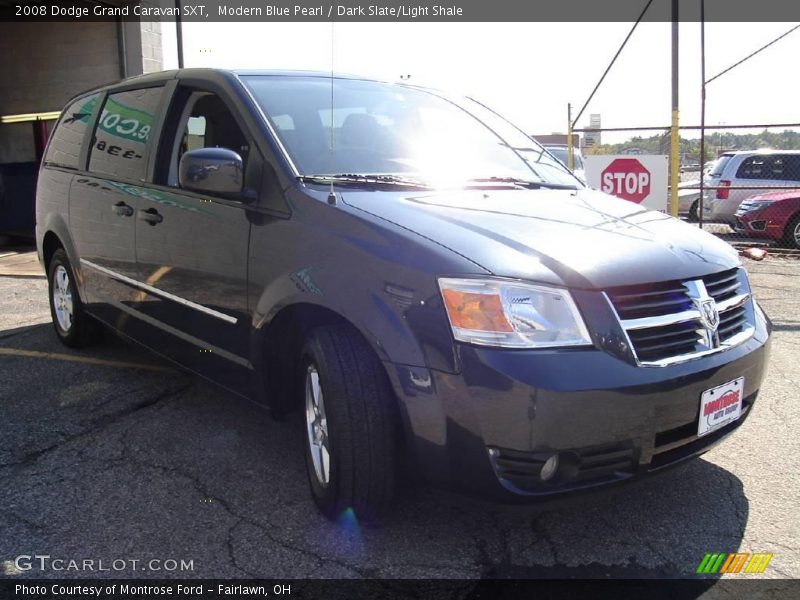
(791, 235)
(73, 326)
(350, 434)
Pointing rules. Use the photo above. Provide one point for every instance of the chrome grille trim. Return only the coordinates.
(660, 321)
(681, 317)
(687, 332)
(734, 302)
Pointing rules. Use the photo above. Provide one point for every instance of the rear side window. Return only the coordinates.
(792, 167)
(122, 135)
(769, 166)
(719, 166)
(65, 147)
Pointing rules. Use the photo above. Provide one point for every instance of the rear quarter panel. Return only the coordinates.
(52, 210)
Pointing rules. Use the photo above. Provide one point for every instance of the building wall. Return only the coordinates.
(152, 47)
(44, 64)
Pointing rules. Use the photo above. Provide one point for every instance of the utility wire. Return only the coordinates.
(611, 64)
(749, 56)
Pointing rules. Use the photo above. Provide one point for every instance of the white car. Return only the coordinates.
(689, 199)
(740, 175)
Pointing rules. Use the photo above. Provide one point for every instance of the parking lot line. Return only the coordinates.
(81, 359)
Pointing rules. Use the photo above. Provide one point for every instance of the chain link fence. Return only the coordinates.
(746, 189)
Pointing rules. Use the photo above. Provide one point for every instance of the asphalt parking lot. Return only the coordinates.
(111, 454)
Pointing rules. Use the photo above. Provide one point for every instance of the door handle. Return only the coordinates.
(151, 215)
(123, 210)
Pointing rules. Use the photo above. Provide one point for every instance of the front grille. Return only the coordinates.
(744, 207)
(665, 322)
(657, 343)
(723, 286)
(585, 467)
(650, 300)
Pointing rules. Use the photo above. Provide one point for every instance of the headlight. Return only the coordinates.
(758, 205)
(512, 315)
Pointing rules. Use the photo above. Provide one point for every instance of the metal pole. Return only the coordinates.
(674, 173)
(570, 164)
(702, 109)
(122, 51)
(179, 33)
(39, 138)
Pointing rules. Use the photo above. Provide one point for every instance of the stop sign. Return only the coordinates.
(626, 178)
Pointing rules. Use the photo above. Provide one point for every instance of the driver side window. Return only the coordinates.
(206, 122)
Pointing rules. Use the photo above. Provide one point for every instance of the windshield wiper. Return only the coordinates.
(525, 183)
(363, 178)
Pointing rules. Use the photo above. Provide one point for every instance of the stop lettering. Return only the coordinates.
(626, 178)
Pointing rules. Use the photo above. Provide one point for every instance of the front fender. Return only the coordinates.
(371, 314)
(376, 275)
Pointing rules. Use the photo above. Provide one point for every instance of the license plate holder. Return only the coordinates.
(720, 406)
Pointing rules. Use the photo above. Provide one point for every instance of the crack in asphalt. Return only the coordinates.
(199, 486)
(483, 561)
(540, 529)
(25, 521)
(204, 492)
(97, 425)
(232, 553)
(93, 408)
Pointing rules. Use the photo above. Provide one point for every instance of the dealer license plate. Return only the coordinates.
(720, 406)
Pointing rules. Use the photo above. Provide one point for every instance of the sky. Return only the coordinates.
(529, 72)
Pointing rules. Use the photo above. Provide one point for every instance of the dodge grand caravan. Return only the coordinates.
(417, 277)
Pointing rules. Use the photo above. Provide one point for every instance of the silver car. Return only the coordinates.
(560, 152)
(740, 175)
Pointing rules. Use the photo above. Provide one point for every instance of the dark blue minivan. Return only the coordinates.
(407, 269)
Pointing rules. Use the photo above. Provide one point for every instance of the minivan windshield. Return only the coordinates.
(351, 128)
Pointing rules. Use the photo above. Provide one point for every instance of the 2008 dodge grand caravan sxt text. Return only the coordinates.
(406, 268)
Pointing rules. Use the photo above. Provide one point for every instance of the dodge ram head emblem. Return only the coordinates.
(709, 314)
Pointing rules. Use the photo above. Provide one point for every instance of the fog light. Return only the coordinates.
(549, 468)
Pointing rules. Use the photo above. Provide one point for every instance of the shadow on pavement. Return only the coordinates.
(171, 466)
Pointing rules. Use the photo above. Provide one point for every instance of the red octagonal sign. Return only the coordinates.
(626, 178)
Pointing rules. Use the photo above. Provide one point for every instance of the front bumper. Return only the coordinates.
(489, 428)
(757, 224)
(722, 211)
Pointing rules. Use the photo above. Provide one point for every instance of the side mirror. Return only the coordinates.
(213, 170)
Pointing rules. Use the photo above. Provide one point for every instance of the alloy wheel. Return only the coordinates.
(317, 426)
(62, 298)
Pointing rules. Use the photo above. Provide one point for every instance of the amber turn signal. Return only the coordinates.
(480, 312)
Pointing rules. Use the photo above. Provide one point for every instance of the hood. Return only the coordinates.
(582, 239)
